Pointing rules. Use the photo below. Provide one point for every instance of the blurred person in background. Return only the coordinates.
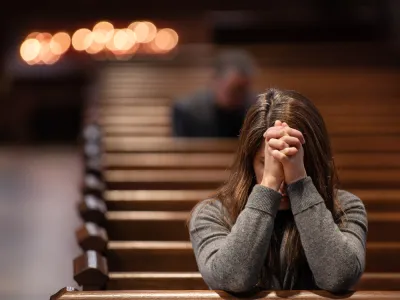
(219, 110)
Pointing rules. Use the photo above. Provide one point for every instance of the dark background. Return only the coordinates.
(43, 104)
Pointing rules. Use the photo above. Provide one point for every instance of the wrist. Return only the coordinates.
(271, 182)
(296, 178)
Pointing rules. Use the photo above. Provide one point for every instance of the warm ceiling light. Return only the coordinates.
(166, 39)
(82, 39)
(142, 30)
(60, 43)
(151, 32)
(103, 32)
(30, 49)
(124, 39)
(95, 48)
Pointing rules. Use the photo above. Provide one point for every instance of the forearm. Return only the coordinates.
(335, 257)
(234, 262)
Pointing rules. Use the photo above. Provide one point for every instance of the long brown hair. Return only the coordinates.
(299, 113)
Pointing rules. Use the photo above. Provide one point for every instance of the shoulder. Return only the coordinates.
(352, 205)
(348, 200)
(209, 211)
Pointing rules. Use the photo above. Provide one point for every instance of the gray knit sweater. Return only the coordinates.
(233, 259)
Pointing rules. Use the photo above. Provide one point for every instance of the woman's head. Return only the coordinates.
(299, 113)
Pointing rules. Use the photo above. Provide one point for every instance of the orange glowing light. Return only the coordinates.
(32, 35)
(82, 39)
(166, 39)
(145, 31)
(95, 48)
(50, 58)
(133, 49)
(44, 37)
(30, 50)
(60, 43)
(110, 45)
(45, 52)
(151, 33)
(103, 32)
(124, 39)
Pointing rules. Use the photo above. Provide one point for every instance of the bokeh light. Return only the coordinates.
(32, 35)
(30, 49)
(103, 32)
(95, 48)
(44, 37)
(145, 31)
(124, 39)
(46, 55)
(165, 40)
(82, 39)
(60, 43)
(103, 40)
(151, 32)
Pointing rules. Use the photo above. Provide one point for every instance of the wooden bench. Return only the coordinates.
(91, 272)
(359, 144)
(167, 144)
(71, 293)
(172, 226)
(184, 200)
(331, 121)
(134, 111)
(178, 256)
(163, 108)
(165, 131)
(110, 102)
(160, 161)
(205, 179)
(151, 131)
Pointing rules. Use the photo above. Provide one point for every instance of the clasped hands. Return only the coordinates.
(284, 156)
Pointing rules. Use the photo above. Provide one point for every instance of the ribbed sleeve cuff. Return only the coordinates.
(264, 199)
(303, 194)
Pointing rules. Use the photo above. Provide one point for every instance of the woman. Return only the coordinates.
(280, 222)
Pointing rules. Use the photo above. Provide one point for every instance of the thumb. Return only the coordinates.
(279, 156)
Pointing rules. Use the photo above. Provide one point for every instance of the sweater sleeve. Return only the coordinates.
(336, 256)
(232, 260)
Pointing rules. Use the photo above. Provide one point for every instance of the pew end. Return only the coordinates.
(94, 166)
(91, 271)
(92, 237)
(93, 185)
(92, 209)
(92, 133)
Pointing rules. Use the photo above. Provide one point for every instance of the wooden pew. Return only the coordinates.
(137, 120)
(165, 131)
(151, 131)
(161, 161)
(134, 111)
(184, 200)
(331, 121)
(110, 102)
(161, 200)
(359, 144)
(91, 272)
(204, 179)
(172, 226)
(71, 293)
(178, 256)
(161, 108)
